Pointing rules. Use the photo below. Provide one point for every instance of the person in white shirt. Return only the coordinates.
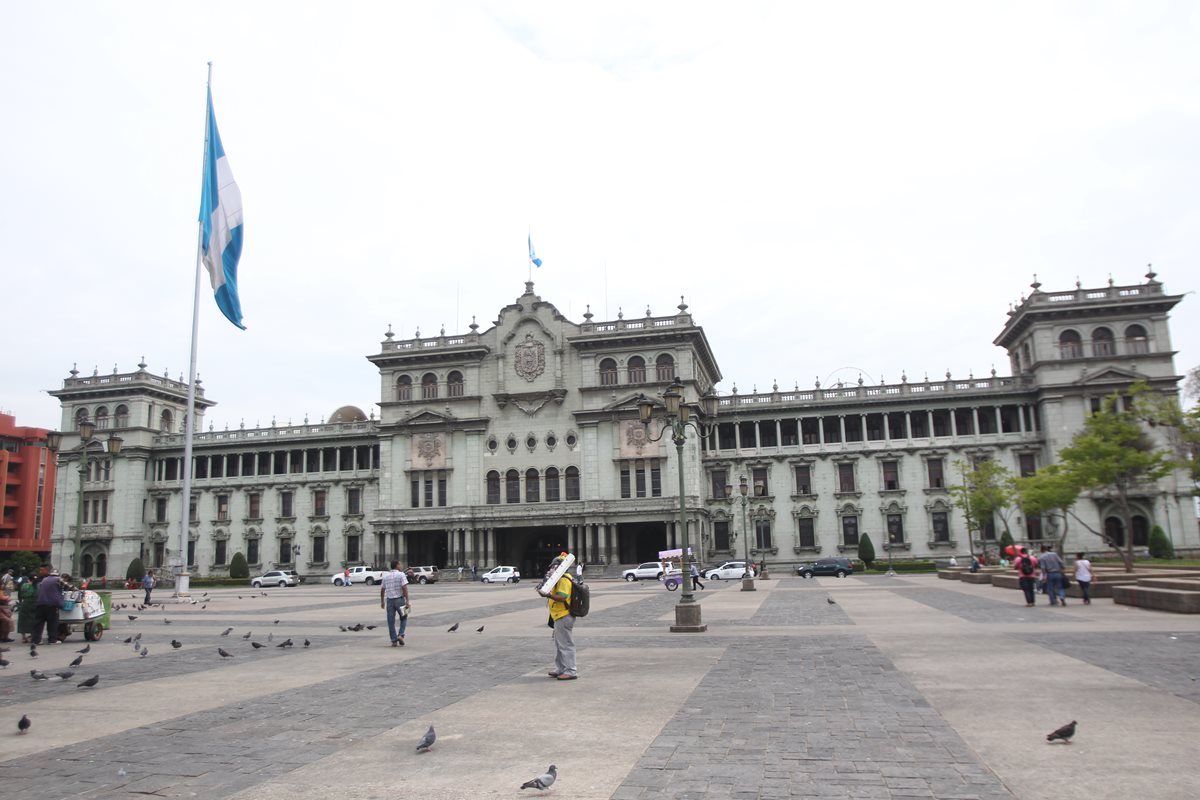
(1083, 576)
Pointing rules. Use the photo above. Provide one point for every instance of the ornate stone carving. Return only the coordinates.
(529, 358)
(634, 442)
(430, 449)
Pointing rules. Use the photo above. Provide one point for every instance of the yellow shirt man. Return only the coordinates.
(560, 599)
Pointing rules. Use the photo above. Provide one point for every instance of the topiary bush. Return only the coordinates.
(866, 550)
(914, 565)
(1160, 545)
(238, 568)
(1006, 541)
(136, 571)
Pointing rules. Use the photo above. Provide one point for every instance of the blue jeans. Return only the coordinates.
(1054, 588)
(395, 607)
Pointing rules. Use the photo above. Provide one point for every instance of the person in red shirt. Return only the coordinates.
(1026, 566)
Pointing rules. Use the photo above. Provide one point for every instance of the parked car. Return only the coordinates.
(360, 574)
(501, 575)
(428, 574)
(276, 577)
(729, 571)
(651, 570)
(840, 567)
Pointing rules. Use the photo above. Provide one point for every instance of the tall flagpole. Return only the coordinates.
(183, 578)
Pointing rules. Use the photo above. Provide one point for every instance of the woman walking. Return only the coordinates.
(1083, 576)
(26, 605)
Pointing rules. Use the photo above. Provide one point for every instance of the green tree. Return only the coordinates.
(1006, 541)
(22, 562)
(1181, 427)
(1160, 545)
(136, 571)
(1111, 456)
(238, 568)
(866, 550)
(985, 494)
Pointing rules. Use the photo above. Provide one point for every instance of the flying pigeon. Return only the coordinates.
(427, 741)
(38, 676)
(223, 653)
(1065, 733)
(452, 628)
(543, 781)
(257, 646)
(23, 724)
(479, 629)
(248, 634)
(86, 649)
(66, 676)
(176, 644)
(227, 631)
(78, 660)
(831, 601)
(89, 683)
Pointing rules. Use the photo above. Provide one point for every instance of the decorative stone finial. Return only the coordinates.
(528, 287)
(74, 369)
(648, 314)
(305, 417)
(272, 420)
(620, 313)
(817, 382)
(242, 424)
(735, 388)
(1078, 285)
(903, 376)
(474, 326)
(1150, 273)
(683, 307)
(443, 331)
(860, 379)
(1110, 280)
(95, 370)
(993, 370)
(588, 314)
(971, 375)
(389, 333)
(371, 416)
(947, 373)
(114, 369)
(418, 333)
(1036, 283)
(774, 385)
(142, 365)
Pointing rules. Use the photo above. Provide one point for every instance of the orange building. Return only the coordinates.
(27, 486)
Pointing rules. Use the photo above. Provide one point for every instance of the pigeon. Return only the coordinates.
(256, 645)
(78, 660)
(276, 622)
(1064, 733)
(33, 651)
(427, 740)
(543, 781)
(452, 628)
(137, 638)
(287, 643)
(89, 683)
(371, 627)
(223, 653)
(4, 662)
(132, 617)
(66, 676)
(128, 640)
(227, 631)
(343, 628)
(23, 724)
(831, 601)
(307, 642)
(166, 621)
(144, 653)
(204, 606)
(86, 649)
(479, 629)
(248, 634)
(239, 597)
(38, 676)
(176, 644)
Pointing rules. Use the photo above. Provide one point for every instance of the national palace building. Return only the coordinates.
(510, 444)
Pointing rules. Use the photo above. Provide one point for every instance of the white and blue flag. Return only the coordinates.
(537, 262)
(221, 223)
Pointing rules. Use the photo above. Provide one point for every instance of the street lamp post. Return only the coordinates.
(748, 574)
(678, 419)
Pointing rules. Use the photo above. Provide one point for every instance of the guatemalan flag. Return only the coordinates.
(537, 262)
(221, 223)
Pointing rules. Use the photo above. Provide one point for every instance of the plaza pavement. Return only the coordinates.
(906, 687)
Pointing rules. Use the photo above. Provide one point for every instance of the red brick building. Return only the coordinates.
(27, 485)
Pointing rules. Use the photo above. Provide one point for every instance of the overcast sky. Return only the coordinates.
(833, 186)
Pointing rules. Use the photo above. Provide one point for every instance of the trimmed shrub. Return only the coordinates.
(1160, 545)
(906, 566)
(136, 571)
(238, 568)
(22, 562)
(866, 550)
(1006, 541)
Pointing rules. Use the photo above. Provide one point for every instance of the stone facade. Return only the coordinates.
(508, 445)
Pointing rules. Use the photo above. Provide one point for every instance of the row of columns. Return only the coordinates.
(337, 463)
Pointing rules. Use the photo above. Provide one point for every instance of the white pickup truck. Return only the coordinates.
(358, 575)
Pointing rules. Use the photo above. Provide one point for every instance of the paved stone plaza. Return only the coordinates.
(906, 687)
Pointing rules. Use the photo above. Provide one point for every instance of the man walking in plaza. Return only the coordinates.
(1026, 566)
(393, 598)
(148, 585)
(564, 627)
(1052, 567)
(49, 601)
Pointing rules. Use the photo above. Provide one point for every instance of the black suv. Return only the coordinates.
(840, 567)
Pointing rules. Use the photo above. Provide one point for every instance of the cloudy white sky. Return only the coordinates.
(833, 186)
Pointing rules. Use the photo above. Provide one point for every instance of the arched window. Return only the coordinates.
(101, 565)
(80, 416)
(572, 483)
(532, 486)
(1141, 531)
(512, 486)
(493, 487)
(404, 387)
(1136, 340)
(1070, 345)
(429, 386)
(637, 369)
(102, 418)
(1102, 343)
(552, 493)
(166, 421)
(664, 368)
(608, 372)
(454, 384)
(121, 419)
(85, 566)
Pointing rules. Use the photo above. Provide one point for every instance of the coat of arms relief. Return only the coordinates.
(429, 448)
(529, 358)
